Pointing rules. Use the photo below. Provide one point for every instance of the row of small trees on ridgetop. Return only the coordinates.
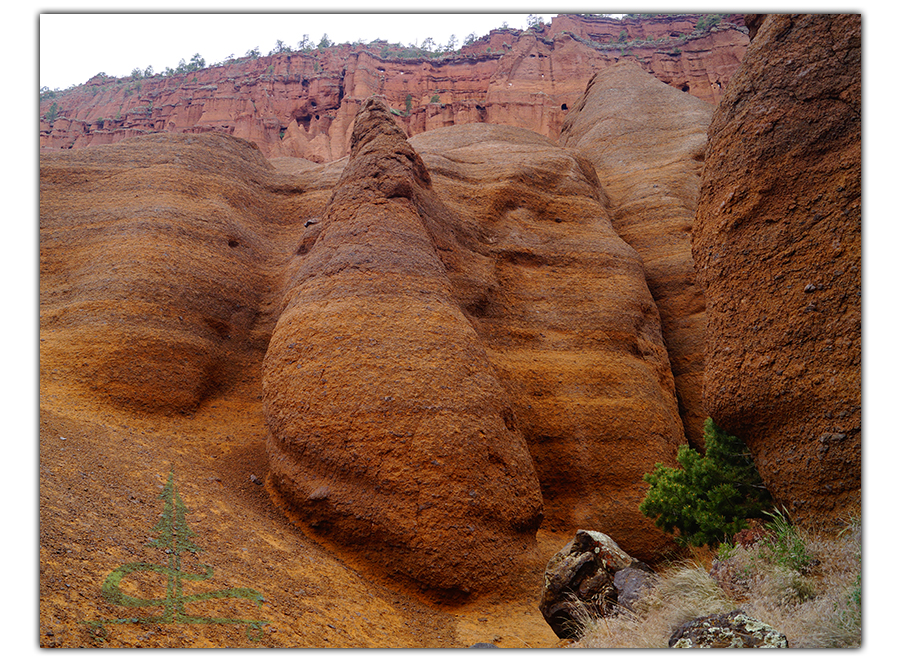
(428, 48)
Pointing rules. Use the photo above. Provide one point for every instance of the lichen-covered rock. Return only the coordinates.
(583, 577)
(778, 247)
(732, 630)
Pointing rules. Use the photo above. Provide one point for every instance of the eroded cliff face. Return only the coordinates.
(154, 265)
(777, 245)
(646, 141)
(447, 352)
(389, 430)
(302, 104)
(457, 345)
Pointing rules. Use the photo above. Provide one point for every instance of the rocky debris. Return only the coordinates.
(303, 104)
(584, 578)
(732, 630)
(777, 245)
(731, 577)
(756, 532)
(632, 584)
(646, 141)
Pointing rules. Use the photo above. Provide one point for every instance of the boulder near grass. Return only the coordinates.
(820, 607)
(585, 577)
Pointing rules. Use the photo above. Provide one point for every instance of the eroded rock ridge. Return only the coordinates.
(466, 335)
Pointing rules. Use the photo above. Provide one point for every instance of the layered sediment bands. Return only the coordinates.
(155, 259)
(647, 141)
(561, 304)
(302, 104)
(389, 429)
(778, 248)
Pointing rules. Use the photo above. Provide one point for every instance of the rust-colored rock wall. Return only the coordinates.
(303, 104)
(389, 429)
(646, 141)
(778, 248)
(154, 259)
(454, 345)
(562, 306)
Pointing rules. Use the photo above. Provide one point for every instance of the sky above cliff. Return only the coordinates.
(75, 47)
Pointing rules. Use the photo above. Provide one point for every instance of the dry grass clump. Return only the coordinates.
(806, 585)
(684, 592)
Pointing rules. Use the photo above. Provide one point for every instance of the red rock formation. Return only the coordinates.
(389, 429)
(562, 306)
(478, 330)
(303, 103)
(439, 336)
(154, 259)
(778, 248)
(646, 141)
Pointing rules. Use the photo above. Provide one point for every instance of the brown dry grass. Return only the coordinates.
(815, 608)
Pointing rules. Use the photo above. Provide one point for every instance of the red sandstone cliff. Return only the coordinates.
(184, 298)
(303, 103)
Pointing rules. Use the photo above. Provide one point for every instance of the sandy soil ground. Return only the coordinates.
(102, 479)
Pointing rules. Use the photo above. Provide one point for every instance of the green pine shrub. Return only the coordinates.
(711, 497)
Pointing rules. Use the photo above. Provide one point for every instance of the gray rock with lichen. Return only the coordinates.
(732, 630)
(633, 583)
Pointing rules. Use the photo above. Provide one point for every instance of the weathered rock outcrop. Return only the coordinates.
(562, 306)
(155, 265)
(778, 248)
(646, 141)
(303, 103)
(732, 630)
(446, 336)
(389, 428)
(583, 578)
(449, 324)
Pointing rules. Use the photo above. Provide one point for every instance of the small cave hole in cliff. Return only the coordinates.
(564, 107)
(685, 88)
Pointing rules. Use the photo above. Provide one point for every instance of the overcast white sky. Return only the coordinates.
(73, 47)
